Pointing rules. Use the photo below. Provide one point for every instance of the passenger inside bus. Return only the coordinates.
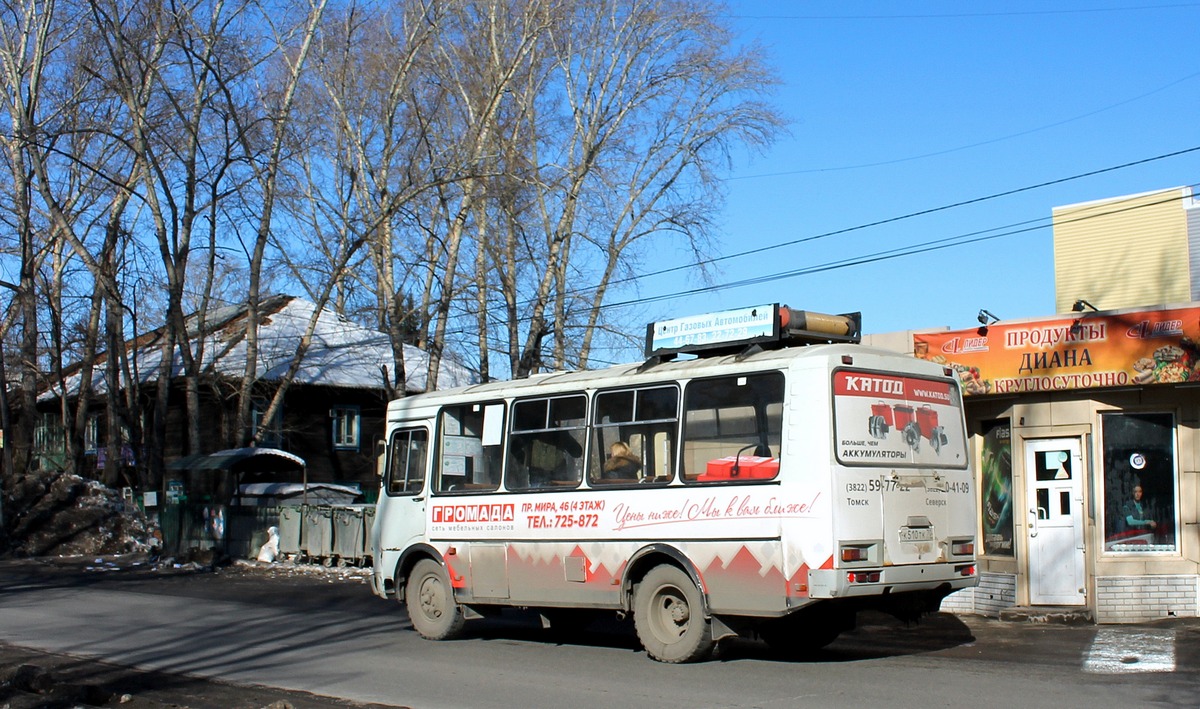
(621, 464)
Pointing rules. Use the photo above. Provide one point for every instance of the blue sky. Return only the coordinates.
(898, 108)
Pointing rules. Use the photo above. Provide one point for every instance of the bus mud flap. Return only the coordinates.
(470, 613)
(720, 630)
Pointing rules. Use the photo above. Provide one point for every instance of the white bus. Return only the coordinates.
(767, 486)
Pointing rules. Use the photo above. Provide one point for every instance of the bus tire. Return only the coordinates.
(669, 617)
(430, 602)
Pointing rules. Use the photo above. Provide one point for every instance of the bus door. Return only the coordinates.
(405, 491)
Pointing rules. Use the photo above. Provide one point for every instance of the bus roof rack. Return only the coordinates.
(730, 331)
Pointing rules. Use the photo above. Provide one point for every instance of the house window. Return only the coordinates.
(50, 443)
(1140, 483)
(48, 436)
(272, 435)
(346, 424)
(92, 440)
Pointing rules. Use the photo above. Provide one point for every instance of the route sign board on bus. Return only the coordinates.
(721, 329)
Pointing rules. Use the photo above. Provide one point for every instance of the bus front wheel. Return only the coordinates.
(669, 617)
(430, 602)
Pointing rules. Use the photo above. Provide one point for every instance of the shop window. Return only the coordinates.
(346, 421)
(1140, 483)
(996, 471)
(406, 472)
(732, 428)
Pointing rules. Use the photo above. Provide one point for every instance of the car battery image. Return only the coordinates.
(906, 423)
(927, 422)
(881, 420)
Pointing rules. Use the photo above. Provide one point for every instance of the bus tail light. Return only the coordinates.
(968, 570)
(859, 553)
(863, 576)
(854, 553)
(963, 547)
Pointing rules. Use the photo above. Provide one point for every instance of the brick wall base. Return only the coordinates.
(994, 593)
(1131, 599)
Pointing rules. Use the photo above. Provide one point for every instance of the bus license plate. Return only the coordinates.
(916, 534)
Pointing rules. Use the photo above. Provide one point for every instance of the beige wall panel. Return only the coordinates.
(1069, 412)
(1033, 416)
(1121, 253)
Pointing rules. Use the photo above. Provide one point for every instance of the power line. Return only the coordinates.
(892, 220)
(846, 230)
(968, 146)
(968, 15)
(923, 247)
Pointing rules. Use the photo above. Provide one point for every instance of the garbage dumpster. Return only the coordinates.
(289, 532)
(348, 534)
(368, 525)
(317, 539)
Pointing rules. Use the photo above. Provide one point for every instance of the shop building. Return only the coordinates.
(1129, 251)
(1086, 436)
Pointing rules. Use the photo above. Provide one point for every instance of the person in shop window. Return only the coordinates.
(1136, 512)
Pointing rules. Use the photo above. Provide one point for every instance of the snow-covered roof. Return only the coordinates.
(288, 489)
(341, 354)
(226, 459)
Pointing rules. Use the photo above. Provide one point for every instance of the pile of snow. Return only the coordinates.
(63, 514)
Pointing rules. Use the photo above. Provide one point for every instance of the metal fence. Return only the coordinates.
(323, 534)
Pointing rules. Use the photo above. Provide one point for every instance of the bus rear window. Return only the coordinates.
(732, 428)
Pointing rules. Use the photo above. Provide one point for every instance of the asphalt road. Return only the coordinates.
(322, 632)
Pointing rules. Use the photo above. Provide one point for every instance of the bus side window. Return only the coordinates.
(728, 419)
(644, 420)
(546, 444)
(408, 454)
(469, 447)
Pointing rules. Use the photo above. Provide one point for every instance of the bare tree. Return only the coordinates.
(27, 37)
(268, 164)
(489, 46)
(369, 84)
(656, 96)
(437, 167)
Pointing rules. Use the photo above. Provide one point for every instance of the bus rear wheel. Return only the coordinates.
(668, 614)
(430, 602)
